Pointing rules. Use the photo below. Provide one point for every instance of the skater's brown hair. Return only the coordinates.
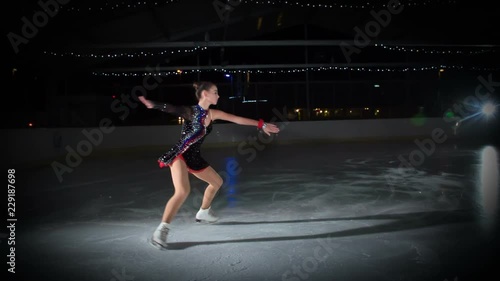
(199, 87)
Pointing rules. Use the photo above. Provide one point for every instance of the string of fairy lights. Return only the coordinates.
(138, 54)
(368, 4)
(123, 5)
(296, 70)
(394, 48)
(441, 51)
(349, 4)
(107, 6)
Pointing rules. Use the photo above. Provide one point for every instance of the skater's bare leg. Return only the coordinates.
(210, 176)
(180, 178)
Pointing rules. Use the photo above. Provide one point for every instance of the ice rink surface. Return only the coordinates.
(303, 211)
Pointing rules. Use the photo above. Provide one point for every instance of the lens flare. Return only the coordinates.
(488, 109)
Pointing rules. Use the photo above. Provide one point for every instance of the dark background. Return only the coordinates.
(48, 87)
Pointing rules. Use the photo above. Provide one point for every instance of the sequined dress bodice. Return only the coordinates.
(193, 134)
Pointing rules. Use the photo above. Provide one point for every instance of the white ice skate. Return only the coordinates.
(159, 238)
(206, 215)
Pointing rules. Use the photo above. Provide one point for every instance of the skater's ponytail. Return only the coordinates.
(199, 87)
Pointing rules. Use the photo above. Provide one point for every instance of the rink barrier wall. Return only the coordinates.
(44, 144)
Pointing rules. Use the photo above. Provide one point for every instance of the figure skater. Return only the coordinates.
(185, 157)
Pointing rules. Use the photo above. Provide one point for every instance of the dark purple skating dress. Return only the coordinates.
(193, 134)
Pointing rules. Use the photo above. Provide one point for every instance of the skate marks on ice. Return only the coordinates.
(385, 177)
(349, 189)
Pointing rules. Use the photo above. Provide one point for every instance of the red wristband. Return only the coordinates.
(261, 123)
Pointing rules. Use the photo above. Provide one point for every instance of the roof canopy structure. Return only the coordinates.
(127, 35)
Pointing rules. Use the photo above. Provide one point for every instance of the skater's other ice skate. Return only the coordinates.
(206, 215)
(159, 238)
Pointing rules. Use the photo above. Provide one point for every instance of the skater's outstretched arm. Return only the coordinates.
(179, 111)
(266, 127)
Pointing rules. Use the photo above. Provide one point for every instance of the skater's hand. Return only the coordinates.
(270, 128)
(146, 102)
